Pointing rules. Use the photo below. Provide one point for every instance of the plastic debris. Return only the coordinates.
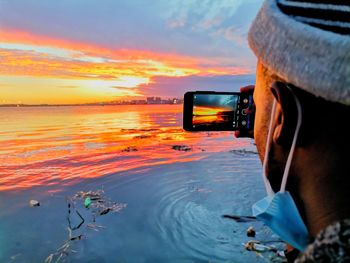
(96, 205)
(254, 245)
(280, 253)
(87, 202)
(251, 232)
(14, 257)
(33, 203)
(270, 253)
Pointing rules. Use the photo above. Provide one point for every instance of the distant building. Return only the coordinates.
(154, 100)
(150, 100)
(138, 102)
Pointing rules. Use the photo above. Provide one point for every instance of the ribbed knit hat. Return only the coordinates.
(306, 43)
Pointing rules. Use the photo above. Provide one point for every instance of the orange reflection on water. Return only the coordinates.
(56, 146)
(205, 115)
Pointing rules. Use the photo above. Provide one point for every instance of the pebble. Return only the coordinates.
(181, 148)
(33, 203)
(251, 232)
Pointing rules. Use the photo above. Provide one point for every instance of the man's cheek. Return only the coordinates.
(260, 137)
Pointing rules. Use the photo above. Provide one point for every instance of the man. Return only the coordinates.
(303, 51)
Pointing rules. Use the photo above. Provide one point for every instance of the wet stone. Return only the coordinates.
(33, 203)
(183, 148)
(251, 232)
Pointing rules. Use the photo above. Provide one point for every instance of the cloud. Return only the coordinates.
(182, 27)
(63, 59)
(202, 13)
(169, 87)
(123, 91)
(233, 34)
(69, 87)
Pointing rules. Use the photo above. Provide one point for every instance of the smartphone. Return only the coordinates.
(218, 111)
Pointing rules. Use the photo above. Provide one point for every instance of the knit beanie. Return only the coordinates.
(307, 44)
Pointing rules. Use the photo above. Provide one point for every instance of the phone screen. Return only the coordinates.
(214, 111)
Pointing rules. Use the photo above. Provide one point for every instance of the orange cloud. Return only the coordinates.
(81, 60)
(30, 63)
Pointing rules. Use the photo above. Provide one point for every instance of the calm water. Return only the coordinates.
(174, 198)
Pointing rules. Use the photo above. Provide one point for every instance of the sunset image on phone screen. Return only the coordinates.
(216, 111)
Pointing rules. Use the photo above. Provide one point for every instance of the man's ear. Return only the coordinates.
(286, 114)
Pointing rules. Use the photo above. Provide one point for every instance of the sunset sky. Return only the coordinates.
(82, 51)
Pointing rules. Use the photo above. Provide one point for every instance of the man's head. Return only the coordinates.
(303, 51)
(324, 130)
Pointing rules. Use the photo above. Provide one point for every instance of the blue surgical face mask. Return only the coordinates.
(278, 210)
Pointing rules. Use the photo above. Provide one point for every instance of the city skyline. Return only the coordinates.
(140, 101)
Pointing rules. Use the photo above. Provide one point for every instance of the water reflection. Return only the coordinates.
(54, 145)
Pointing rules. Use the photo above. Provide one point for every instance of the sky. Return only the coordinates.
(86, 51)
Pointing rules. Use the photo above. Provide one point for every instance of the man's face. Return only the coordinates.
(263, 101)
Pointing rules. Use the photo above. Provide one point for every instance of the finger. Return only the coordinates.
(244, 134)
(249, 88)
(237, 134)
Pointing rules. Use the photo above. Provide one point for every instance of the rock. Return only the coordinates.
(130, 149)
(251, 232)
(33, 203)
(142, 136)
(183, 148)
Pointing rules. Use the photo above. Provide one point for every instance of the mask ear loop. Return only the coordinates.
(268, 187)
(291, 152)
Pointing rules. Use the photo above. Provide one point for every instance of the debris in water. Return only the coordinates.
(258, 247)
(183, 148)
(142, 136)
(96, 205)
(251, 232)
(241, 219)
(280, 253)
(254, 245)
(94, 227)
(130, 149)
(33, 203)
(87, 202)
(243, 151)
(15, 256)
(105, 211)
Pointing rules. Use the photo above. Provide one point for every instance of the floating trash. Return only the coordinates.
(254, 245)
(260, 247)
(97, 205)
(87, 202)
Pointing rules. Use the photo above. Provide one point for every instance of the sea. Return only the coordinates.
(124, 183)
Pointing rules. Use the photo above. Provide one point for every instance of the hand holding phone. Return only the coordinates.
(219, 111)
(249, 133)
